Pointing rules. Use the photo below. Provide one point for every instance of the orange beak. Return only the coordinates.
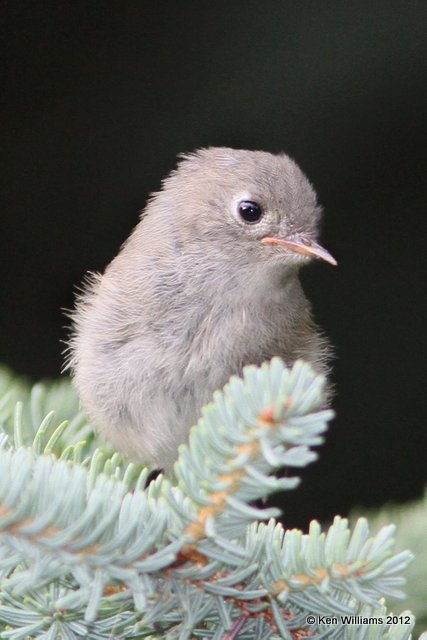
(300, 244)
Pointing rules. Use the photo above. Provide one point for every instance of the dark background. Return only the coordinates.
(98, 98)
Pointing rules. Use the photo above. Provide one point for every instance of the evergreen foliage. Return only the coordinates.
(88, 551)
(411, 532)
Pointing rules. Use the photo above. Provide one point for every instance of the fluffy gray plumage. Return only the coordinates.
(195, 295)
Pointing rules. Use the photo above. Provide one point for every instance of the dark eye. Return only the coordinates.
(249, 211)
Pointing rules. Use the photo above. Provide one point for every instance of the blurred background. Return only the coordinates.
(98, 99)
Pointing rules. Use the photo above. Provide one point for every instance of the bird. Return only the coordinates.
(207, 283)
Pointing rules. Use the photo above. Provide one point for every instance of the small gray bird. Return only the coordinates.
(206, 284)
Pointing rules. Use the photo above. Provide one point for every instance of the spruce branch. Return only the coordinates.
(87, 551)
(411, 532)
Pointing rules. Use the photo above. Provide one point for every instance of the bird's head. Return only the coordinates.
(248, 206)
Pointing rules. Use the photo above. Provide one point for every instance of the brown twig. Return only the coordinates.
(236, 628)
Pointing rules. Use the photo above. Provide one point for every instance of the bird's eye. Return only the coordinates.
(249, 211)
